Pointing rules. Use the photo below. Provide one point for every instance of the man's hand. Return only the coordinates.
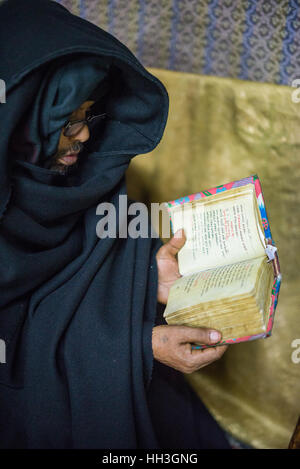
(167, 265)
(172, 346)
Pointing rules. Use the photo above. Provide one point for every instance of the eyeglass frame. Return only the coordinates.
(85, 121)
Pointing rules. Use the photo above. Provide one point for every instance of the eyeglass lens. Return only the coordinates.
(74, 129)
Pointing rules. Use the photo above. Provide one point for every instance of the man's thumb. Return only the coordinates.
(177, 242)
(180, 234)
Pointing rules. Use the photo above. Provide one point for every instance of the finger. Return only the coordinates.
(179, 234)
(201, 335)
(204, 365)
(220, 349)
(172, 247)
(201, 358)
(208, 355)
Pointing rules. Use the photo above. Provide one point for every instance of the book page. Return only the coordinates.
(213, 284)
(220, 229)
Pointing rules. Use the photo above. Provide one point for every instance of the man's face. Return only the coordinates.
(69, 147)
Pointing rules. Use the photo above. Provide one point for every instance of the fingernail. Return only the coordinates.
(178, 233)
(214, 336)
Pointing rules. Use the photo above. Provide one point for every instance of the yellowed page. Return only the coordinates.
(220, 229)
(213, 284)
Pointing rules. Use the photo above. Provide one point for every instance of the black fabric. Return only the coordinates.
(178, 416)
(76, 311)
(180, 419)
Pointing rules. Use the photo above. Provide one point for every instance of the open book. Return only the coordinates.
(229, 263)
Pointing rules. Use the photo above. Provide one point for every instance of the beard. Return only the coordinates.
(61, 168)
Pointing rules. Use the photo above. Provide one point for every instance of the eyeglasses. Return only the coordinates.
(72, 128)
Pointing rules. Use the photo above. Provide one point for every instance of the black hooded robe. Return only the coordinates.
(77, 311)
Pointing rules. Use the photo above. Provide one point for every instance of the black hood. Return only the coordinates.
(58, 59)
(76, 311)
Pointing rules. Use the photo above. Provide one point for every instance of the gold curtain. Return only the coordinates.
(219, 130)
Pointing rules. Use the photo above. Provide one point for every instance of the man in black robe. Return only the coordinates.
(86, 351)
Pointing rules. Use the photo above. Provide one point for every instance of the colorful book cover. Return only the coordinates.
(272, 253)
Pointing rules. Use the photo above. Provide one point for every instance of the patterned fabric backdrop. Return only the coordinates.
(255, 40)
